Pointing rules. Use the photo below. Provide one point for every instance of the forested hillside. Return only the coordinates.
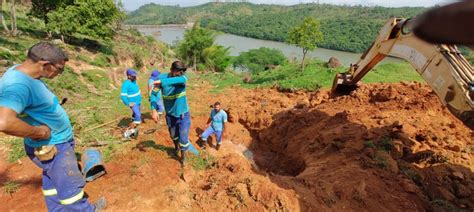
(344, 28)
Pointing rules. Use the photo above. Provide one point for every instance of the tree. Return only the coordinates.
(195, 41)
(256, 60)
(14, 29)
(307, 36)
(2, 18)
(93, 18)
(217, 58)
(41, 8)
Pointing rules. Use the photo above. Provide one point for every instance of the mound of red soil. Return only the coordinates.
(385, 147)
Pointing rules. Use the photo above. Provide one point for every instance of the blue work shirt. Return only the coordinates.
(174, 94)
(130, 93)
(36, 105)
(218, 119)
(155, 93)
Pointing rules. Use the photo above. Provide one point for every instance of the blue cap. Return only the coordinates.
(155, 73)
(131, 72)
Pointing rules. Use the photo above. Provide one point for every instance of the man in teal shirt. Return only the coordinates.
(30, 110)
(178, 119)
(216, 125)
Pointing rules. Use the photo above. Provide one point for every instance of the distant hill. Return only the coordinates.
(345, 28)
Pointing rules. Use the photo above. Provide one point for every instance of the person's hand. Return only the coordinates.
(132, 104)
(157, 82)
(42, 132)
(154, 116)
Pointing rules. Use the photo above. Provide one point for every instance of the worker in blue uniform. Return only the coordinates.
(154, 94)
(30, 110)
(131, 96)
(178, 119)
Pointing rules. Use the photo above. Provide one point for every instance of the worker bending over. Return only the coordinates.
(30, 110)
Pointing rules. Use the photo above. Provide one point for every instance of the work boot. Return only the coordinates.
(183, 158)
(203, 144)
(176, 149)
(100, 204)
(218, 147)
(134, 134)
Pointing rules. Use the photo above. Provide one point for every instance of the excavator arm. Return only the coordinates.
(442, 66)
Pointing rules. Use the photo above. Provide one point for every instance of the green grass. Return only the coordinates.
(98, 78)
(369, 144)
(381, 163)
(108, 151)
(385, 144)
(221, 81)
(201, 162)
(316, 75)
(83, 58)
(392, 72)
(17, 150)
(101, 61)
(10, 187)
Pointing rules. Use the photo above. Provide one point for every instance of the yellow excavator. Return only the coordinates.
(442, 66)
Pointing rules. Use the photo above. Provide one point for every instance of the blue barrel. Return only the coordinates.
(93, 165)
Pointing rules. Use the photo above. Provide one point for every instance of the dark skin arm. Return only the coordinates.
(10, 124)
(223, 131)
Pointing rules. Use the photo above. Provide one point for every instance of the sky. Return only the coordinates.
(131, 5)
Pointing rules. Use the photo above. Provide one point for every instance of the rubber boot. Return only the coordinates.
(183, 158)
(100, 204)
(203, 143)
(176, 148)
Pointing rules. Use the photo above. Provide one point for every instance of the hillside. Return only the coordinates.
(344, 28)
(91, 80)
(288, 146)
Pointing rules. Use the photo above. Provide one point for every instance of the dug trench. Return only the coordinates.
(385, 147)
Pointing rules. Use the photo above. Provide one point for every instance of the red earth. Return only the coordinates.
(385, 147)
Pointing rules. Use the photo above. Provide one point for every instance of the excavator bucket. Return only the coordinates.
(341, 86)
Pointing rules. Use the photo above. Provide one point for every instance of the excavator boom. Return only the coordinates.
(442, 66)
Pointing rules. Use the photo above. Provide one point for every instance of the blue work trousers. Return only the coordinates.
(209, 131)
(179, 131)
(63, 183)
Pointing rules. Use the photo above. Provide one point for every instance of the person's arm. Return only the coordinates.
(172, 81)
(224, 120)
(150, 90)
(10, 124)
(124, 94)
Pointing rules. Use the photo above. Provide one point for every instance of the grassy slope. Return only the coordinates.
(92, 97)
(316, 75)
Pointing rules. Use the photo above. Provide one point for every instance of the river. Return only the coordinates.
(240, 44)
